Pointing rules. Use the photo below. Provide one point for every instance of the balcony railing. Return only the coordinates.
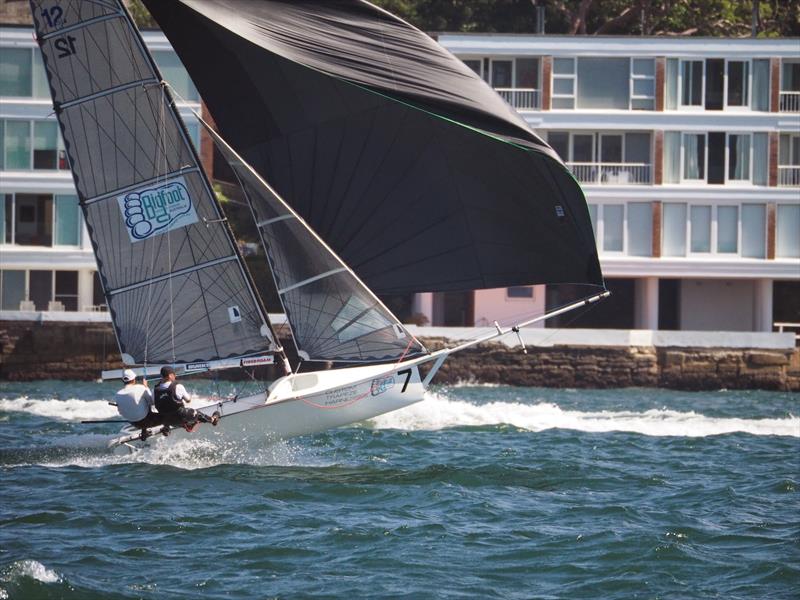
(521, 98)
(789, 175)
(611, 173)
(790, 102)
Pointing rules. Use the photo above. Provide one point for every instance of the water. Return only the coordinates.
(478, 492)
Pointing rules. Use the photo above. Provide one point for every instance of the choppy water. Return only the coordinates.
(477, 492)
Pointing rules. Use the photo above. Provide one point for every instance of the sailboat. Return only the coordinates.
(371, 161)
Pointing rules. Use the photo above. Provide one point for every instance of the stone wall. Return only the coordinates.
(30, 351)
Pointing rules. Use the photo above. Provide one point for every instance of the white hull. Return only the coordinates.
(306, 403)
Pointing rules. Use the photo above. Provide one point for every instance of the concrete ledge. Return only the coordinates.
(620, 337)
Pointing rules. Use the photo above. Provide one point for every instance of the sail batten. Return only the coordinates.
(173, 279)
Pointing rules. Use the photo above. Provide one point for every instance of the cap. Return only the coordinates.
(128, 375)
(166, 371)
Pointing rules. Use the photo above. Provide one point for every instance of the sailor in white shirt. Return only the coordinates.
(135, 402)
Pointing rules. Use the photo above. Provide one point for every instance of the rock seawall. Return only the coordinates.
(30, 351)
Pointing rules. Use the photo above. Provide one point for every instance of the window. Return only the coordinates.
(559, 141)
(603, 83)
(643, 84)
(66, 284)
(672, 157)
(475, 65)
(715, 76)
(671, 96)
(640, 229)
(760, 156)
(694, 156)
(613, 227)
(177, 76)
(692, 83)
(761, 84)
(12, 289)
(727, 229)
(563, 83)
(673, 238)
(788, 231)
(16, 68)
(525, 292)
(40, 220)
(738, 157)
(501, 73)
(754, 230)
(29, 145)
(700, 225)
(527, 75)
(738, 75)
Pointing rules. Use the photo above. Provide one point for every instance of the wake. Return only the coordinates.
(437, 412)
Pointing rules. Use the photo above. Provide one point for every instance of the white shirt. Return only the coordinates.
(133, 402)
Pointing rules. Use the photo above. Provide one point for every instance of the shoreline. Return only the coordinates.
(33, 351)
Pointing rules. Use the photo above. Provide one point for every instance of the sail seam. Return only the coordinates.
(185, 271)
(311, 280)
(275, 220)
(80, 25)
(144, 182)
(106, 92)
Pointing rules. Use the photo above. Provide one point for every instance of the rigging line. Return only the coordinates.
(163, 149)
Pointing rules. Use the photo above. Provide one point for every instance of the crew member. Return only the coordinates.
(135, 403)
(171, 399)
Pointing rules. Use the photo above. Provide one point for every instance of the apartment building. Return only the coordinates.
(688, 150)
(46, 258)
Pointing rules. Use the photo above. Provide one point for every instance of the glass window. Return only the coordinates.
(761, 84)
(644, 84)
(40, 87)
(501, 73)
(2, 144)
(715, 76)
(67, 221)
(15, 72)
(45, 145)
(728, 229)
(788, 231)
(475, 65)
(8, 215)
(610, 148)
(760, 156)
(738, 72)
(603, 82)
(612, 227)
(176, 75)
(790, 76)
(33, 221)
(194, 134)
(520, 292)
(17, 145)
(671, 97)
(692, 83)
(637, 148)
(40, 288)
(12, 284)
(716, 157)
(559, 141)
(583, 148)
(694, 156)
(640, 229)
(739, 157)
(754, 230)
(673, 241)
(528, 73)
(701, 228)
(563, 83)
(67, 289)
(3, 220)
(672, 157)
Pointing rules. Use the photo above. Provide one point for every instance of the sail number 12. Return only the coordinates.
(65, 46)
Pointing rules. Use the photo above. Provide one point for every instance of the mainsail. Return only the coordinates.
(333, 316)
(403, 160)
(173, 278)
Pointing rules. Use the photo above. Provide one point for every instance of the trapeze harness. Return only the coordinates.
(165, 399)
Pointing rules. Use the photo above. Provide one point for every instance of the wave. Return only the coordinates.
(29, 569)
(436, 412)
(64, 410)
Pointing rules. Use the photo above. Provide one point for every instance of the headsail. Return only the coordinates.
(410, 166)
(333, 315)
(173, 279)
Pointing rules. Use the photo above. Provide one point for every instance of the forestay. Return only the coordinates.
(173, 279)
(333, 315)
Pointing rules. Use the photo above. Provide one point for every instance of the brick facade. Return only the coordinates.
(547, 81)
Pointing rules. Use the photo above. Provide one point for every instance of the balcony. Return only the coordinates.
(789, 175)
(611, 173)
(789, 102)
(521, 98)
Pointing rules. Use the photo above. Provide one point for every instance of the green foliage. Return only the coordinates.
(731, 18)
(141, 16)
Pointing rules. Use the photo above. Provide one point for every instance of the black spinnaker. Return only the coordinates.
(405, 162)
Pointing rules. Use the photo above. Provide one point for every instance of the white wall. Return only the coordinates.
(717, 305)
(493, 305)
